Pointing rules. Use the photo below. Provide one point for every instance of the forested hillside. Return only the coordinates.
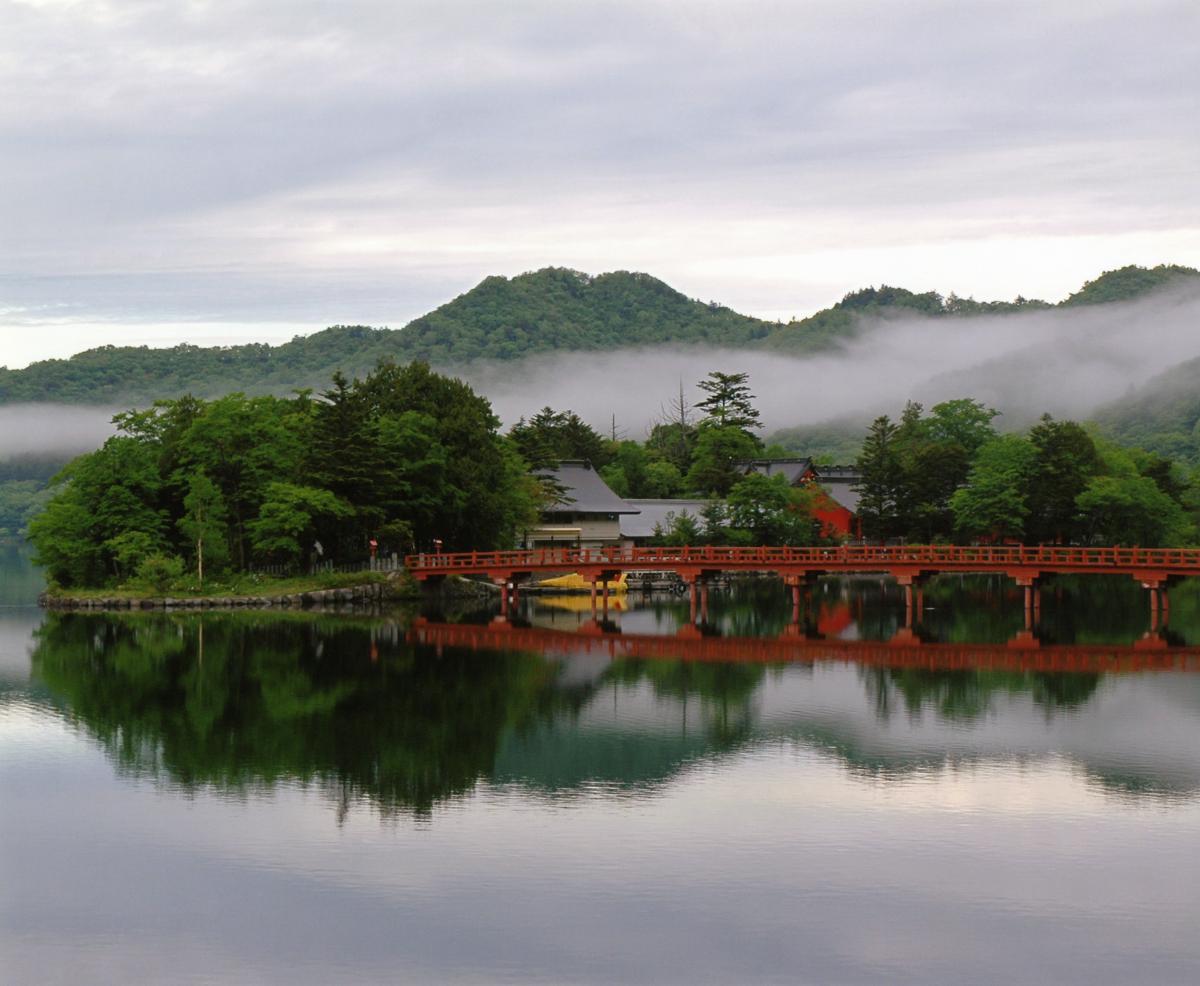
(1162, 416)
(502, 319)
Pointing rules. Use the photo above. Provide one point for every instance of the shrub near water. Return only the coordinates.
(160, 572)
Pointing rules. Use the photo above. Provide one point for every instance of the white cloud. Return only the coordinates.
(305, 162)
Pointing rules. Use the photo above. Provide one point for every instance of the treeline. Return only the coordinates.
(402, 456)
(407, 458)
(550, 310)
(948, 475)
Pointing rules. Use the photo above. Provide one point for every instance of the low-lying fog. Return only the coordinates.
(1065, 361)
(61, 430)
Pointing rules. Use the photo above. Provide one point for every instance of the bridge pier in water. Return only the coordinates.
(1155, 569)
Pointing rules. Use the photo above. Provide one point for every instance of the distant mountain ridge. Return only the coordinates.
(550, 310)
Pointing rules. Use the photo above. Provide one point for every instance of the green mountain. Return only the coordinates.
(1127, 283)
(550, 310)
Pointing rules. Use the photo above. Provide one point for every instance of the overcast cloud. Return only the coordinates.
(246, 169)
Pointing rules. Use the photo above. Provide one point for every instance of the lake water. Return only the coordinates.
(308, 798)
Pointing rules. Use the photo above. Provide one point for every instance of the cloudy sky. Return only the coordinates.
(249, 169)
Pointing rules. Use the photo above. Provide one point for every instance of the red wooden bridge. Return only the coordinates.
(909, 565)
(1025, 654)
(1153, 567)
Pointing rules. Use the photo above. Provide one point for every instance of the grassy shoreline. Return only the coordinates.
(241, 588)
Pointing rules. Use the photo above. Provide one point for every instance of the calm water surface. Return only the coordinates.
(317, 798)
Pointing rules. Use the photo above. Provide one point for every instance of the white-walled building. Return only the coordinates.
(588, 515)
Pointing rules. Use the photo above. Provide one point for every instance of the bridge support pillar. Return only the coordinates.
(1157, 584)
(911, 580)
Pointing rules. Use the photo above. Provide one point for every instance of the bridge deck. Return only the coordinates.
(1152, 566)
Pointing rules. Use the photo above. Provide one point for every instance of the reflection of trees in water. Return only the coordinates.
(273, 699)
(245, 701)
(725, 691)
(965, 696)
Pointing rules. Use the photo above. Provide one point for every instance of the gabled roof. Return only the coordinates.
(841, 483)
(654, 513)
(585, 492)
(793, 470)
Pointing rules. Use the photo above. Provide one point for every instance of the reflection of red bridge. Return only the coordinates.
(905, 651)
(910, 565)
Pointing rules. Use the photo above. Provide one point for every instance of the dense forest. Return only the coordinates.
(401, 456)
(406, 458)
(949, 476)
(502, 319)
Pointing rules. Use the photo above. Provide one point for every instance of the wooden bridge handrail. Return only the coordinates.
(933, 557)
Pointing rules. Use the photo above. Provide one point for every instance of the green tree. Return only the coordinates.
(662, 480)
(102, 495)
(491, 492)
(682, 529)
(993, 502)
(729, 403)
(882, 477)
(1132, 510)
(718, 451)
(203, 523)
(288, 519)
(244, 444)
(551, 436)
(964, 422)
(1066, 461)
(634, 473)
(770, 511)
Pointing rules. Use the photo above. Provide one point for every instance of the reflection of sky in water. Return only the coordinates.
(770, 863)
(16, 631)
(1135, 729)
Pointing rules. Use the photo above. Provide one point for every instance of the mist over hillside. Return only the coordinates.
(1068, 361)
(508, 320)
(41, 432)
(874, 350)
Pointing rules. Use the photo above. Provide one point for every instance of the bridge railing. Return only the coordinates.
(946, 557)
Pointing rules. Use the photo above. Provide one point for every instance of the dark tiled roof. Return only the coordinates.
(841, 483)
(586, 492)
(792, 469)
(654, 513)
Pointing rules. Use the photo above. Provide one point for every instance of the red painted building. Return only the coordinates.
(835, 487)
